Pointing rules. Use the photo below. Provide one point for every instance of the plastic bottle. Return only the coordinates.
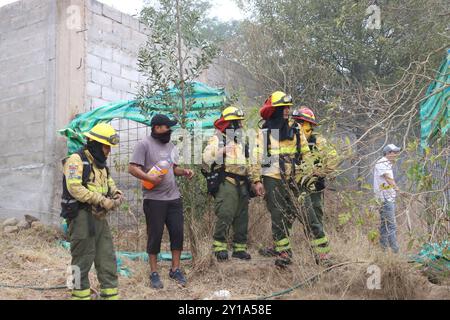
(161, 168)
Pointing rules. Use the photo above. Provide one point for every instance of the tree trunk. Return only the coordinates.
(180, 65)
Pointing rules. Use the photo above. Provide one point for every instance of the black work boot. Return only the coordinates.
(324, 260)
(284, 259)
(243, 255)
(221, 255)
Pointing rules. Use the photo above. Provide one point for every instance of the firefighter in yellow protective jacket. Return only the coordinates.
(89, 193)
(280, 149)
(321, 162)
(228, 154)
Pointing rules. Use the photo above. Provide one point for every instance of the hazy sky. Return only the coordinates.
(222, 9)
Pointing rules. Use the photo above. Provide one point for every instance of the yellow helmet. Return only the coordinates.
(233, 113)
(280, 99)
(103, 133)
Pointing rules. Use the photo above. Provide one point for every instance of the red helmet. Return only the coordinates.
(305, 114)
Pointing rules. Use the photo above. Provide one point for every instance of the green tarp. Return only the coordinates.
(435, 258)
(134, 256)
(435, 110)
(207, 105)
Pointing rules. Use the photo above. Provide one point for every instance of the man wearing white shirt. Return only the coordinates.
(385, 190)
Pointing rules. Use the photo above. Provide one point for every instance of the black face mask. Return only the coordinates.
(235, 125)
(162, 137)
(234, 131)
(277, 121)
(95, 148)
(234, 135)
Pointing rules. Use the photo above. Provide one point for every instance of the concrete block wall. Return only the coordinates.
(27, 62)
(51, 71)
(235, 78)
(112, 40)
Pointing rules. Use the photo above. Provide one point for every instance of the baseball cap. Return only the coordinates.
(161, 120)
(391, 148)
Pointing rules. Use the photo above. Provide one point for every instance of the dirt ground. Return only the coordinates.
(34, 258)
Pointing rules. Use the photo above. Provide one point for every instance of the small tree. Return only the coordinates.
(175, 53)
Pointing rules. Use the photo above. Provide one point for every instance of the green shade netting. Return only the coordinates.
(134, 256)
(435, 110)
(435, 256)
(206, 108)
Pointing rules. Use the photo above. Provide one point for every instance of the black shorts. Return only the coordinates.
(159, 213)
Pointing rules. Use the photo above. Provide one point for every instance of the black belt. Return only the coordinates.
(236, 177)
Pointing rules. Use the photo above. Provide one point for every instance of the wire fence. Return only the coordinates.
(130, 215)
(439, 170)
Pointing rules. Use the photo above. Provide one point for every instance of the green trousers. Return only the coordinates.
(91, 243)
(231, 207)
(313, 204)
(282, 209)
(283, 213)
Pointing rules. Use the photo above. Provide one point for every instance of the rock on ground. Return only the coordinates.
(30, 219)
(11, 229)
(10, 222)
(24, 225)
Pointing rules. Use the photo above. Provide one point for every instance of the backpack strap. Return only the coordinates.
(298, 151)
(87, 167)
(236, 177)
(267, 146)
(312, 142)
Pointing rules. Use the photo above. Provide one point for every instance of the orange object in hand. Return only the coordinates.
(159, 169)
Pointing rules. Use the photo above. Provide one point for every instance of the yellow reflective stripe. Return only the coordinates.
(283, 150)
(304, 149)
(99, 189)
(239, 247)
(110, 294)
(74, 181)
(235, 161)
(81, 294)
(288, 150)
(318, 242)
(282, 242)
(282, 245)
(322, 249)
(219, 246)
(282, 248)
